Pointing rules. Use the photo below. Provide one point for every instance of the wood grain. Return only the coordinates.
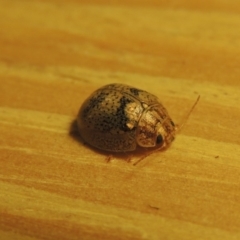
(53, 54)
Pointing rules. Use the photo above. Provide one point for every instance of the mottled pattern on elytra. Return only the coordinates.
(140, 95)
(109, 119)
(104, 111)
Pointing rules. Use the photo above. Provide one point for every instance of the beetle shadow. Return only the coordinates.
(74, 133)
(139, 154)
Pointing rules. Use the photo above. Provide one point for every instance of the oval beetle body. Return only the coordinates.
(118, 118)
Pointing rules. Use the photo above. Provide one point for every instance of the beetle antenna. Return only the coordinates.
(179, 127)
(146, 155)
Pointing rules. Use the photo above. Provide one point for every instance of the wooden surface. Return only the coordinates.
(53, 54)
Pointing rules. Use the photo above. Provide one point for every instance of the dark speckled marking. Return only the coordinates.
(134, 91)
(105, 112)
(114, 119)
(94, 102)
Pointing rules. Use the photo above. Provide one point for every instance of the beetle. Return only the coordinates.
(118, 118)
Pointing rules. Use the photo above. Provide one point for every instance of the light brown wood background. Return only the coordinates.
(53, 54)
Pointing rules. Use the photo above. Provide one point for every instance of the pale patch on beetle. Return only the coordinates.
(118, 118)
(133, 113)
